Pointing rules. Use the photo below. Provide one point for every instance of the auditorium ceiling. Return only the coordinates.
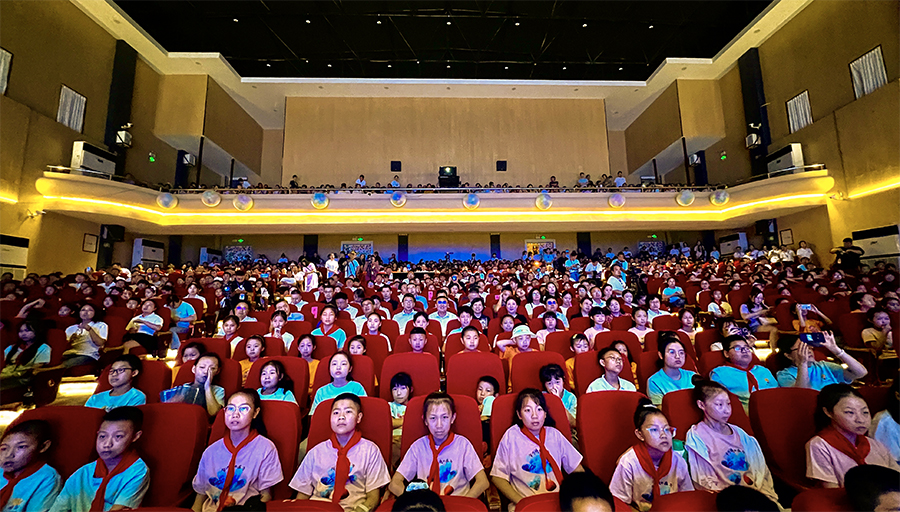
(517, 40)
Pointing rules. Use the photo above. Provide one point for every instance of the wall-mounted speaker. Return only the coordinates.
(501, 165)
(395, 165)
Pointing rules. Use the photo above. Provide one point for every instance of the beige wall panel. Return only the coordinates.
(231, 128)
(180, 107)
(654, 130)
(13, 137)
(272, 155)
(737, 166)
(143, 115)
(618, 155)
(333, 140)
(700, 104)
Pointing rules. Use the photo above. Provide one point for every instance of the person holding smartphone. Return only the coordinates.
(805, 320)
(803, 371)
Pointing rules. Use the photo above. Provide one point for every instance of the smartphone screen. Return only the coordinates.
(814, 339)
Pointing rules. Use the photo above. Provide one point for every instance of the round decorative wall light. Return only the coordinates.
(719, 197)
(543, 201)
(685, 198)
(211, 198)
(398, 199)
(616, 200)
(242, 202)
(471, 201)
(319, 201)
(167, 200)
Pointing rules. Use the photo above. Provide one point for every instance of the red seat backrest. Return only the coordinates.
(703, 340)
(282, 420)
(229, 376)
(546, 502)
(274, 348)
(464, 370)
(56, 340)
(851, 326)
(305, 506)
(346, 325)
(453, 503)
(325, 347)
(298, 328)
(822, 500)
(682, 413)
(685, 500)
(115, 331)
(621, 323)
(71, 447)
(363, 372)
(391, 329)
(559, 342)
(375, 425)
(782, 420)
(377, 349)
(173, 440)
(218, 346)
(247, 329)
(422, 368)
(503, 416)
(468, 422)
(587, 369)
(651, 342)
(579, 324)
(295, 367)
(525, 368)
(611, 434)
(432, 344)
(666, 323)
(454, 344)
(155, 376)
(876, 397)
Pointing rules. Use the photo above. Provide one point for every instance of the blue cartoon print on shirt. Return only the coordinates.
(735, 460)
(328, 482)
(236, 483)
(664, 488)
(533, 465)
(447, 472)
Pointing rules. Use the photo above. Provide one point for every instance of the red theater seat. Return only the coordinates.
(422, 368)
(174, 438)
(822, 500)
(610, 434)
(432, 344)
(303, 506)
(154, 377)
(687, 501)
(559, 342)
(219, 346)
(666, 323)
(467, 424)
(454, 344)
(525, 369)
(451, 504)
(296, 368)
(274, 348)
(229, 376)
(363, 372)
(283, 429)
(782, 420)
(464, 370)
(71, 447)
(503, 414)
(375, 425)
(682, 413)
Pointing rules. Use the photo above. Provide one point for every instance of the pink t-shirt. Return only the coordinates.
(733, 465)
(315, 476)
(458, 464)
(256, 468)
(519, 460)
(640, 334)
(631, 484)
(827, 464)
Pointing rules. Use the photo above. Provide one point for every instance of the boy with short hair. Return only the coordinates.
(470, 339)
(27, 482)
(346, 469)
(118, 479)
(121, 374)
(418, 338)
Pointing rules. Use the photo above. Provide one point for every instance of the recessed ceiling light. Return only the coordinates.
(417, 62)
(268, 65)
(448, 88)
(387, 87)
(564, 68)
(307, 21)
(620, 69)
(235, 20)
(651, 26)
(448, 23)
(389, 65)
(321, 87)
(505, 67)
(576, 89)
(448, 66)
(378, 22)
(583, 26)
(329, 65)
(517, 23)
(514, 88)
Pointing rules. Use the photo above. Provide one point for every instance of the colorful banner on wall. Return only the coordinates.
(654, 247)
(538, 245)
(366, 248)
(238, 253)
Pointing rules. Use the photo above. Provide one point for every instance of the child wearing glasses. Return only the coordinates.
(650, 469)
(740, 375)
(122, 372)
(612, 363)
(240, 469)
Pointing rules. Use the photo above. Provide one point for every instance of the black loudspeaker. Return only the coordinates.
(112, 233)
(395, 165)
(768, 230)
(495, 245)
(501, 165)
(583, 240)
(403, 247)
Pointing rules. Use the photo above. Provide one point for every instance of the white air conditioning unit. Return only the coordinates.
(789, 157)
(730, 243)
(86, 156)
(189, 160)
(880, 244)
(753, 140)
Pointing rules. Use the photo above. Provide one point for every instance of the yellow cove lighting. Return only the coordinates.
(438, 216)
(876, 189)
(4, 199)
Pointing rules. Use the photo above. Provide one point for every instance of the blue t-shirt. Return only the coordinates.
(279, 394)
(182, 311)
(672, 292)
(397, 411)
(659, 384)
(338, 335)
(570, 402)
(127, 488)
(106, 401)
(735, 380)
(821, 374)
(35, 493)
(330, 391)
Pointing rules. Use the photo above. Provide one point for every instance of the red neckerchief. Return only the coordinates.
(229, 475)
(434, 476)
(101, 471)
(342, 468)
(321, 328)
(752, 383)
(643, 456)
(545, 458)
(11, 481)
(839, 442)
